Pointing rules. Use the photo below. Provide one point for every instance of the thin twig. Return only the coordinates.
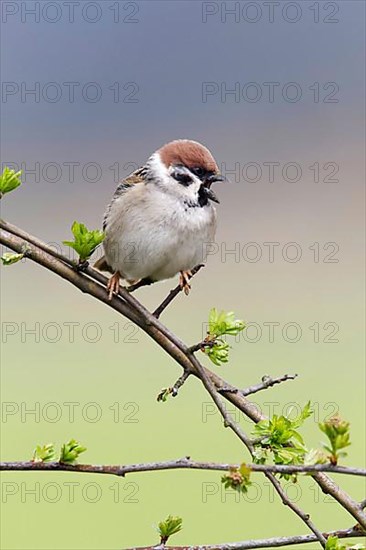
(173, 391)
(228, 420)
(179, 383)
(267, 382)
(180, 464)
(173, 293)
(295, 508)
(202, 345)
(262, 543)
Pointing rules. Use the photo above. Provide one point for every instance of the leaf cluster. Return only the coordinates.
(220, 324)
(70, 451)
(68, 455)
(44, 453)
(85, 242)
(280, 436)
(169, 527)
(338, 433)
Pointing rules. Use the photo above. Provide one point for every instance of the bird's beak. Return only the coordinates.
(211, 195)
(214, 178)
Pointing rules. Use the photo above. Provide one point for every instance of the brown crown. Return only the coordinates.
(188, 153)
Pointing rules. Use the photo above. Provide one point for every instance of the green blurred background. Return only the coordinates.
(108, 373)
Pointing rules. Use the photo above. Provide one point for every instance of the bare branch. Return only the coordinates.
(179, 464)
(179, 383)
(173, 391)
(328, 487)
(261, 543)
(174, 293)
(295, 508)
(267, 382)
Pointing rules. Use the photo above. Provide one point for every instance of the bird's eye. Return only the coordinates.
(182, 175)
(199, 172)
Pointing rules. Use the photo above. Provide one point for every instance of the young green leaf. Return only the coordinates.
(70, 451)
(9, 258)
(279, 436)
(218, 352)
(44, 453)
(338, 433)
(304, 414)
(9, 180)
(169, 527)
(85, 242)
(220, 323)
(333, 543)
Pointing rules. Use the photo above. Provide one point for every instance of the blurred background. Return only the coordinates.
(89, 91)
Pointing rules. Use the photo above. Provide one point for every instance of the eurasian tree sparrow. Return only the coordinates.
(161, 218)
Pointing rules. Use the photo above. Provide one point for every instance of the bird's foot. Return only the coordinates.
(184, 281)
(113, 284)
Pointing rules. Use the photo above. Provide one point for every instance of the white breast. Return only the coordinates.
(152, 234)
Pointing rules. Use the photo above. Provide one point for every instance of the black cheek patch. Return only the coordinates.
(202, 196)
(181, 176)
(184, 179)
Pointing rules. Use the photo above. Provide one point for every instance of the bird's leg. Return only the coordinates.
(142, 282)
(113, 284)
(184, 281)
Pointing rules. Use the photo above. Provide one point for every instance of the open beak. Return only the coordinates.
(211, 195)
(214, 178)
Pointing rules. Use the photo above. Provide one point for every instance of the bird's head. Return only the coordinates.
(185, 169)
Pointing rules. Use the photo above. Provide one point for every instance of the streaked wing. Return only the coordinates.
(138, 176)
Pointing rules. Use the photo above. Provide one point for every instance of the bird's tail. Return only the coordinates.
(102, 265)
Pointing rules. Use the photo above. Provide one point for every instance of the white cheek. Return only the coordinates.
(169, 184)
(159, 169)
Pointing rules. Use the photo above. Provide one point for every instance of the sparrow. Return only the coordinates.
(161, 217)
